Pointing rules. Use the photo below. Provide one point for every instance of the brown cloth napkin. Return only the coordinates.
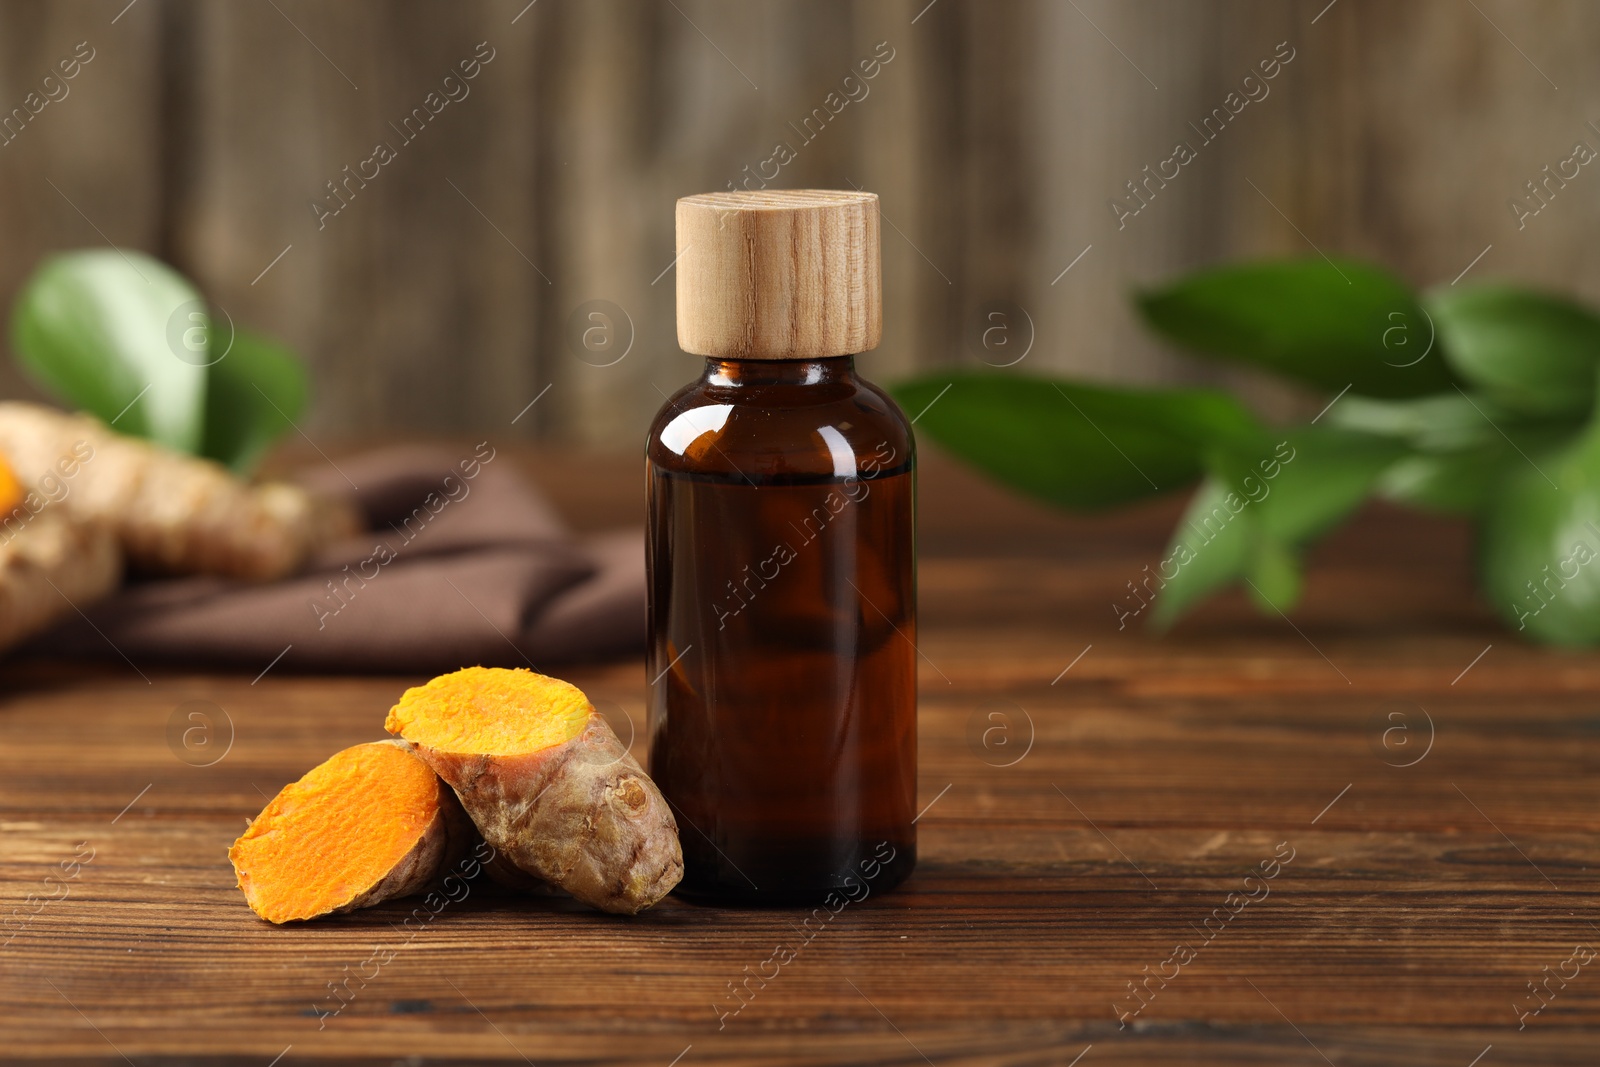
(464, 564)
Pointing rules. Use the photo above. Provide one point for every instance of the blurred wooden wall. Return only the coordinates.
(439, 299)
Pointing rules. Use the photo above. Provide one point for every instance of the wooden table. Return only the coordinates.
(1420, 901)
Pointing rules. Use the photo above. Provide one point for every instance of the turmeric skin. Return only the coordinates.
(370, 824)
(547, 783)
(49, 566)
(48, 562)
(171, 513)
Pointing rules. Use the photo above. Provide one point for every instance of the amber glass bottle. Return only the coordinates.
(782, 562)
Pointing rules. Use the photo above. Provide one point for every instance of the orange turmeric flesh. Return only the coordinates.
(10, 488)
(490, 711)
(328, 841)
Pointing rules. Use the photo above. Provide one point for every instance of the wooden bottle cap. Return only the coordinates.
(779, 274)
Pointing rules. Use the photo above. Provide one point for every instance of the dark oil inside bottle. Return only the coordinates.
(783, 714)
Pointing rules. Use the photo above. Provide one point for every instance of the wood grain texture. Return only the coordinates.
(443, 297)
(779, 274)
(87, 169)
(1154, 776)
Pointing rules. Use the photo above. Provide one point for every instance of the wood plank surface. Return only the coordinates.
(1133, 793)
(441, 296)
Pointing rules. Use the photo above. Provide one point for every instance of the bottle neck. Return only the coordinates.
(733, 373)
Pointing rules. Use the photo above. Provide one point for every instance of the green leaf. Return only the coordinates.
(1450, 483)
(1259, 509)
(1275, 581)
(1210, 550)
(1532, 353)
(1446, 422)
(1328, 324)
(102, 330)
(1539, 556)
(1076, 446)
(1459, 443)
(257, 389)
(1325, 474)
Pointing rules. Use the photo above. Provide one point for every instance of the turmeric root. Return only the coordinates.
(547, 783)
(370, 824)
(49, 564)
(170, 512)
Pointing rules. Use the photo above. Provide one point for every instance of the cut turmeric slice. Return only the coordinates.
(547, 783)
(370, 824)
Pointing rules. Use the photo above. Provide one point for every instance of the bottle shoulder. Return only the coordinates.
(836, 429)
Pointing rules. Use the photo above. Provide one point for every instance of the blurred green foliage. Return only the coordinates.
(1478, 401)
